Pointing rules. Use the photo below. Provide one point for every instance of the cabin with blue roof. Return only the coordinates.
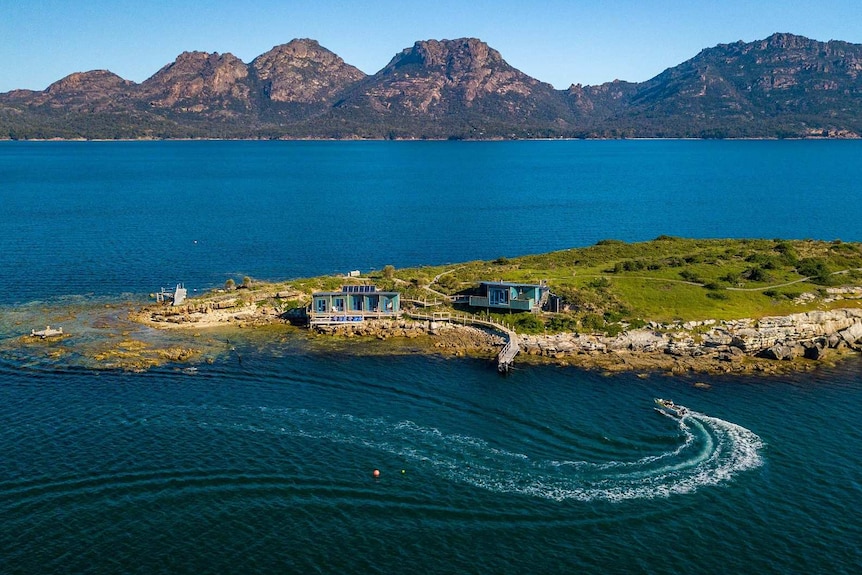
(354, 303)
(510, 296)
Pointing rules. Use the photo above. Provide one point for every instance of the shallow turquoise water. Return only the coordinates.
(262, 460)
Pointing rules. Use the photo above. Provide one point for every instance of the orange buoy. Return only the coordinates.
(376, 473)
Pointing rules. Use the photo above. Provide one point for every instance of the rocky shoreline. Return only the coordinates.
(444, 337)
(767, 345)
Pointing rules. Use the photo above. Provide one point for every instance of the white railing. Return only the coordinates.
(315, 318)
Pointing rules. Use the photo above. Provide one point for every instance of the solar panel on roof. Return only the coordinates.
(359, 289)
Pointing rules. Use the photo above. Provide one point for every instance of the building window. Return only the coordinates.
(499, 296)
(338, 304)
(320, 305)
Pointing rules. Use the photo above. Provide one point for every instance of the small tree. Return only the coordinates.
(816, 269)
(388, 272)
(229, 284)
(246, 282)
(757, 274)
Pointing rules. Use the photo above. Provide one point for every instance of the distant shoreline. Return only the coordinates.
(629, 139)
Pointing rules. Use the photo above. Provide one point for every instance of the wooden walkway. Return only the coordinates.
(505, 358)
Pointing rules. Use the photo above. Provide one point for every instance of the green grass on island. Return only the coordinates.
(612, 285)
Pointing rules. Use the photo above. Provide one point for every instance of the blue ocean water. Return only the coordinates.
(119, 217)
(260, 460)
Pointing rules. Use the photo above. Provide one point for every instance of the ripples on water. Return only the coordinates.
(269, 461)
(264, 464)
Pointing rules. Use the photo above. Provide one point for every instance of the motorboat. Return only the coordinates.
(668, 407)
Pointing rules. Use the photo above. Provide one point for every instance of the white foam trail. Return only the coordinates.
(712, 451)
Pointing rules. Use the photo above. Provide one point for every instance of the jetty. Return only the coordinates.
(505, 358)
(47, 332)
(176, 296)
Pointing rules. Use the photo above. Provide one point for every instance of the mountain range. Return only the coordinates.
(784, 86)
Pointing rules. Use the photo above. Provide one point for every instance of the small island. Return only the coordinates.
(671, 304)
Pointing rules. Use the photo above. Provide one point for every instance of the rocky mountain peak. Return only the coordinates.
(303, 71)
(782, 86)
(96, 90)
(301, 48)
(440, 74)
(461, 54)
(95, 80)
(785, 41)
(197, 75)
(207, 66)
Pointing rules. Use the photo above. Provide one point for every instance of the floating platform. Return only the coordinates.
(47, 332)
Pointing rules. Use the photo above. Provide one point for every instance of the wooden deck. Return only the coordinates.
(505, 358)
(341, 317)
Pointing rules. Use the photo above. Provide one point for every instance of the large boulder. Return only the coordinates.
(718, 338)
(852, 334)
(639, 340)
(816, 349)
(783, 351)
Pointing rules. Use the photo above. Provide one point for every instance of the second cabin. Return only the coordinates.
(511, 296)
(354, 303)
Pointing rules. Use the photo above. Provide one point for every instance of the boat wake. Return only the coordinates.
(700, 451)
(710, 451)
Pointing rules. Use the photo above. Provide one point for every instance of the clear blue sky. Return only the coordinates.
(560, 42)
